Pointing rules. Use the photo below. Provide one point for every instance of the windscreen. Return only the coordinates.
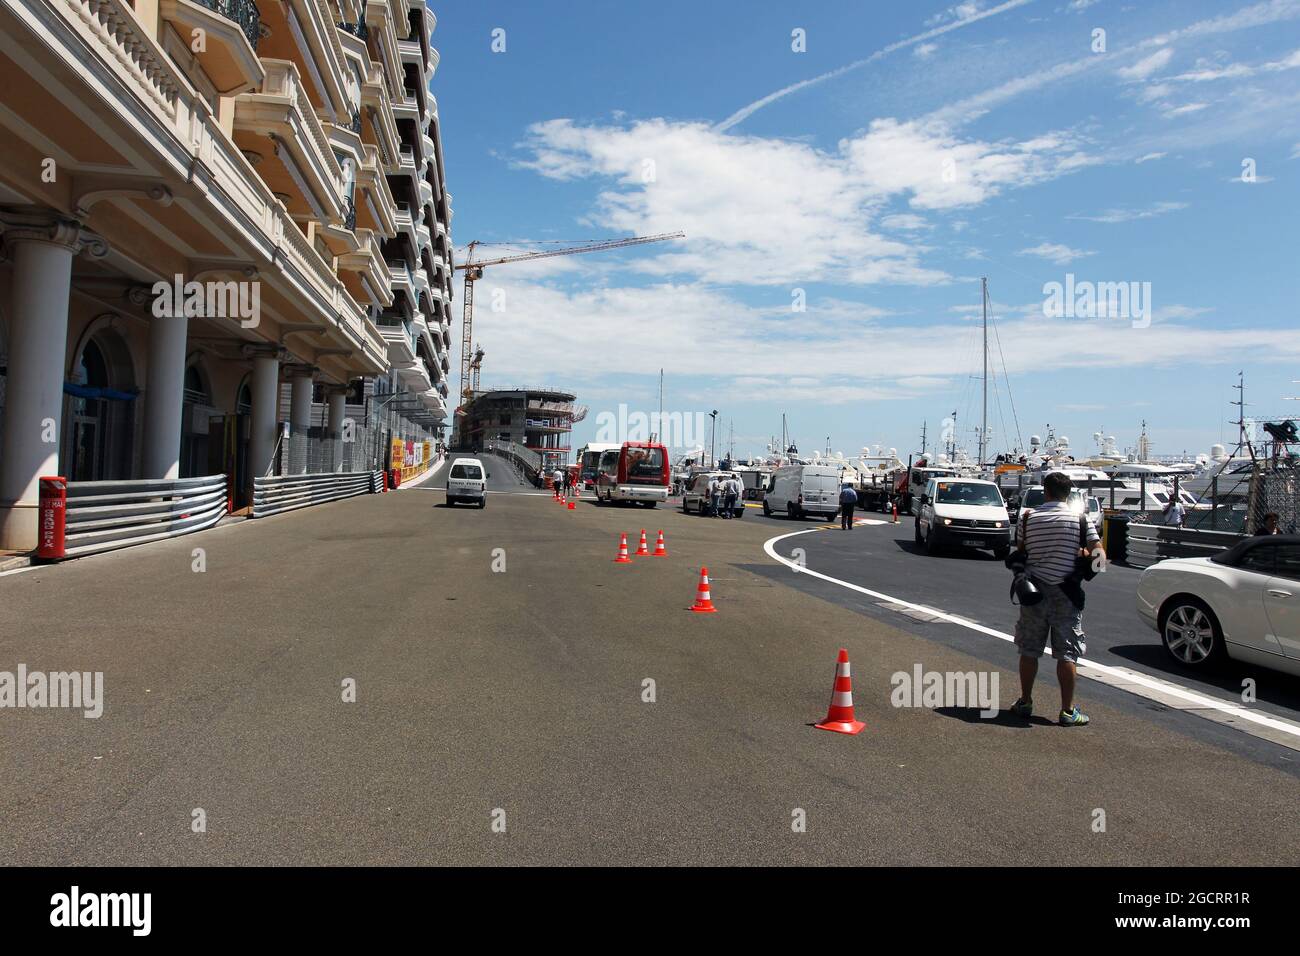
(966, 493)
(645, 463)
(471, 472)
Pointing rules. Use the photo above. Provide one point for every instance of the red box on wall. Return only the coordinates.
(53, 518)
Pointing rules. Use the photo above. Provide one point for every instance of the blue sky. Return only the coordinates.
(935, 143)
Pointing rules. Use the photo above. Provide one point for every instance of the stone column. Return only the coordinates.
(164, 395)
(337, 400)
(41, 245)
(265, 389)
(300, 378)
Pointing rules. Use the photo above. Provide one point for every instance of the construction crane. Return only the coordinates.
(471, 361)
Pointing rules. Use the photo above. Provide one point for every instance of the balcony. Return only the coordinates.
(378, 208)
(378, 107)
(402, 282)
(229, 54)
(307, 172)
(365, 272)
(358, 30)
(404, 226)
(400, 342)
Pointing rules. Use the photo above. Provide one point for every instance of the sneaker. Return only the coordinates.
(1072, 718)
(1023, 708)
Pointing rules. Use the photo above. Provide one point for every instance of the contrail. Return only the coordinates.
(745, 112)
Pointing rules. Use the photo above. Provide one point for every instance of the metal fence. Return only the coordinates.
(1275, 489)
(525, 458)
(1149, 543)
(313, 452)
(103, 515)
(288, 493)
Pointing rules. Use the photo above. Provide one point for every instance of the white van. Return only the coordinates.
(968, 512)
(801, 490)
(467, 481)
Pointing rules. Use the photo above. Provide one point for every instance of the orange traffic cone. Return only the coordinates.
(895, 512)
(660, 551)
(839, 717)
(622, 550)
(703, 600)
(572, 506)
(643, 549)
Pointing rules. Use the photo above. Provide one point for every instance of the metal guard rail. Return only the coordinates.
(1149, 543)
(104, 515)
(275, 495)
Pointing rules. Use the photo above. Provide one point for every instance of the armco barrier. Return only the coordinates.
(103, 515)
(287, 492)
(1149, 543)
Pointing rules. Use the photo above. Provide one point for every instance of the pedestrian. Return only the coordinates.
(714, 491)
(729, 496)
(557, 482)
(1174, 514)
(1057, 549)
(848, 498)
(1270, 524)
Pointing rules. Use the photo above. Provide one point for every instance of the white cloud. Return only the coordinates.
(1185, 109)
(1149, 157)
(1055, 252)
(766, 211)
(639, 330)
(1116, 215)
(1148, 65)
(925, 50)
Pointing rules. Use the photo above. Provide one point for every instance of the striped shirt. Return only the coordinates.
(1050, 536)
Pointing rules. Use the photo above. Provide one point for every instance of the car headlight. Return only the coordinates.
(997, 524)
(947, 521)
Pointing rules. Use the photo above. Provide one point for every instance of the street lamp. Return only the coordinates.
(713, 434)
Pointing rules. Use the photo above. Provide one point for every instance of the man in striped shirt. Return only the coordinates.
(1054, 536)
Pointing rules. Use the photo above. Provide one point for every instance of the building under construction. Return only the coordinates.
(539, 419)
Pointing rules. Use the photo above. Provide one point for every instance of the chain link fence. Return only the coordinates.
(1275, 489)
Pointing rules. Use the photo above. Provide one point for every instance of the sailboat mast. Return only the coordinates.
(984, 421)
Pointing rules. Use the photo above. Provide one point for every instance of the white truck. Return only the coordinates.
(804, 490)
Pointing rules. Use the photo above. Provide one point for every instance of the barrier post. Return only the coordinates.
(53, 518)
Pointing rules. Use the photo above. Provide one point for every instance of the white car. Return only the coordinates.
(1243, 603)
(968, 512)
(467, 481)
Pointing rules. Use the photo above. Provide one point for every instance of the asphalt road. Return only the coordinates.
(522, 690)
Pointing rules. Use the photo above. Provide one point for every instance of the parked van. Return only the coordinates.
(804, 490)
(967, 512)
(696, 494)
(467, 481)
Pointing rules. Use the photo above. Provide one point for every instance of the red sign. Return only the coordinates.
(53, 517)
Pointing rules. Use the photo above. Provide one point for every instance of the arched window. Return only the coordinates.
(99, 410)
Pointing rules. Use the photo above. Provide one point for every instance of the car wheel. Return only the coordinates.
(1001, 551)
(793, 511)
(1191, 633)
(650, 504)
(767, 509)
(482, 502)
(931, 540)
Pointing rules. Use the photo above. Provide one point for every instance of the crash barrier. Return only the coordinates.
(84, 517)
(1149, 543)
(1114, 537)
(288, 492)
(525, 458)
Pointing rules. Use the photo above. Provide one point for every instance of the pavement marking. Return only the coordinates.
(30, 567)
(1277, 729)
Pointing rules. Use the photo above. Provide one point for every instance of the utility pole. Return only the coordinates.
(923, 437)
(984, 421)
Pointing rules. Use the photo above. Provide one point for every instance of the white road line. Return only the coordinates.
(1123, 678)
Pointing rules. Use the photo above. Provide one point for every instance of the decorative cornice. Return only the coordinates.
(38, 224)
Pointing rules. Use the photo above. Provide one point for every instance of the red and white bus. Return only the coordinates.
(638, 471)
